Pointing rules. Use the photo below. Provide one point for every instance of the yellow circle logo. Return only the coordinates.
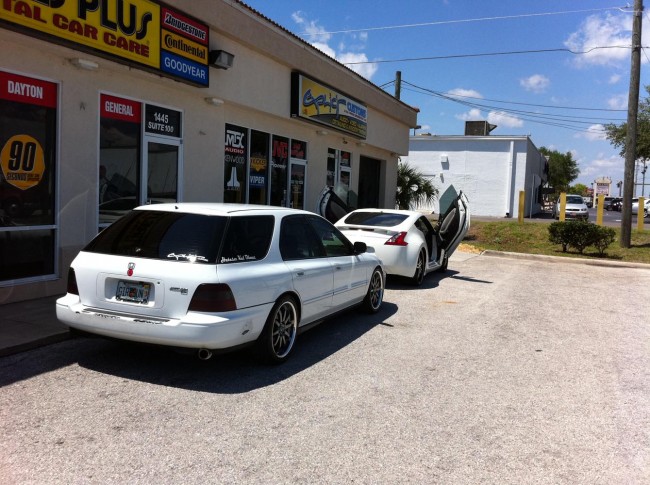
(22, 162)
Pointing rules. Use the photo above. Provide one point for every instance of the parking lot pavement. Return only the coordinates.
(502, 370)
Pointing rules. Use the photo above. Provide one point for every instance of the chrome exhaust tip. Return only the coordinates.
(204, 354)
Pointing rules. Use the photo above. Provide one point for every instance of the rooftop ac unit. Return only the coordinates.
(478, 128)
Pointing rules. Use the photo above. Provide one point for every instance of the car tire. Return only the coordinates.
(420, 268)
(375, 294)
(279, 334)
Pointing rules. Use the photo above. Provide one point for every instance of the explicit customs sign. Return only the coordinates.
(321, 104)
(134, 31)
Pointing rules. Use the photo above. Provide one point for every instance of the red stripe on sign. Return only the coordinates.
(192, 29)
(23, 89)
(120, 109)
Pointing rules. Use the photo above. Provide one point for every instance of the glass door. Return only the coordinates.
(162, 166)
(297, 184)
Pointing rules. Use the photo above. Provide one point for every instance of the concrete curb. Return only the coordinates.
(564, 259)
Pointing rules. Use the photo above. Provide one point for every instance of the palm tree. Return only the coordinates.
(413, 188)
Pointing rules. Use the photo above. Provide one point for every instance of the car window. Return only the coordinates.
(162, 235)
(574, 200)
(334, 242)
(375, 218)
(247, 238)
(298, 240)
(424, 225)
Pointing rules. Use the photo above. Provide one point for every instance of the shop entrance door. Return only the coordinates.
(297, 184)
(369, 180)
(162, 164)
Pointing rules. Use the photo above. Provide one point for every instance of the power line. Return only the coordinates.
(561, 121)
(447, 22)
(454, 95)
(489, 54)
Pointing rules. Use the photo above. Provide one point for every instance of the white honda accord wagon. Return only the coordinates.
(217, 276)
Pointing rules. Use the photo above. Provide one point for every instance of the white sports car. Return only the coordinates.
(406, 242)
(217, 276)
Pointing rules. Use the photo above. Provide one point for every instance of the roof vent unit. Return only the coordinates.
(478, 128)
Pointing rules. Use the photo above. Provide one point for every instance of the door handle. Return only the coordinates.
(300, 273)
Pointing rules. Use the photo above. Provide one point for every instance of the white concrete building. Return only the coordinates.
(107, 105)
(491, 170)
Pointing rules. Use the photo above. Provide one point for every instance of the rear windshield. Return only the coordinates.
(185, 237)
(377, 219)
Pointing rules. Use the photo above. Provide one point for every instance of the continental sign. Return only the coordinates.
(137, 32)
(321, 104)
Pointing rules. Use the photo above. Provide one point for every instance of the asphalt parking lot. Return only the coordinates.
(503, 370)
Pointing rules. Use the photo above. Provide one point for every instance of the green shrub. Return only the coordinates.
(606, 236)
(580, 235)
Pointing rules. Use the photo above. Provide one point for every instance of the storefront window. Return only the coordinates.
(259, 164)
(119, 157)
(236, 145)
(28, 113)
(279, 171)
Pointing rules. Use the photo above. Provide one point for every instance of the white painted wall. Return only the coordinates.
(491, 170)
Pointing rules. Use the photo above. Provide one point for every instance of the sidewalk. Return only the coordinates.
(29, 324)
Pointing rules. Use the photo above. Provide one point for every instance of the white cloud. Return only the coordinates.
(499, 118)
(466, 93)
(536, 83)
(618, 102)
(349, 55)
(503, 119)
(367, 69)
(597, 31)
(471, 115)
(614, 78)
(601, 166)
(593, 133)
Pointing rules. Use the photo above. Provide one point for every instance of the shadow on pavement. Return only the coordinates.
(230, 373)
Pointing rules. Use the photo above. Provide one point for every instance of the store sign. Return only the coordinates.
(22, 158)
(162, 121)
(132, 31)
(120, 109)
(321, 104)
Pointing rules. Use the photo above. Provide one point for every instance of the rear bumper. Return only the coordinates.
(194, 330)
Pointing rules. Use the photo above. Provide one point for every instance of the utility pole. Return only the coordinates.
(398, 84)
(630, 139)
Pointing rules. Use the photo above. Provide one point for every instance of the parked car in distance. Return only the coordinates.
(406, 242)
(217, 276)
(646, 206)
(612, 203)
(575, 208)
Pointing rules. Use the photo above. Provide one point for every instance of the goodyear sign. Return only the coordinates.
(137, 32)
(322, 104)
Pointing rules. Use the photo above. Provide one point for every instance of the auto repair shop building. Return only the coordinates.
(108, 105)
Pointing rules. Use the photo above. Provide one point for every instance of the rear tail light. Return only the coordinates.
(213, 297)
(73, 289)
(398, 239)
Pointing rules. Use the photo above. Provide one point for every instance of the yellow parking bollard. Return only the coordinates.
(600, 209)
(522, 204)
(639, 214)
(562, 206)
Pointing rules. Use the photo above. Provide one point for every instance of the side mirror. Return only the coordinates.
(360, 247)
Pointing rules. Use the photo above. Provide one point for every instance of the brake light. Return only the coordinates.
(213, 297)
(398, 239)
(73, 289)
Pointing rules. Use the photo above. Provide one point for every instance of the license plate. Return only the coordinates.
(132, 291)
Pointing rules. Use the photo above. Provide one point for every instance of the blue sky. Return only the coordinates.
(559, 98)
